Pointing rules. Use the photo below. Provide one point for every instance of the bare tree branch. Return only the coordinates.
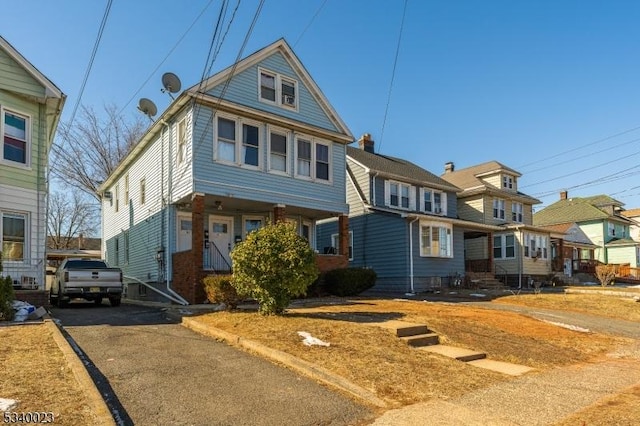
(88, 150)
(70, 214)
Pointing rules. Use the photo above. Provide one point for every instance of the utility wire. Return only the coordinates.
(91, 60)
(393, 73)
(313, 18)
(524, 166)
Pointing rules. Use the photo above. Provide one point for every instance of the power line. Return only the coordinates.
(393, 73)
(91, 60)
(313, 18)
(524, 166)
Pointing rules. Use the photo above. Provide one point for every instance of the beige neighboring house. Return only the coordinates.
(490, 196)
(634, 228)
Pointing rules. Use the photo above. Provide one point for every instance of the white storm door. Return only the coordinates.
(184, 232)
(221, 235)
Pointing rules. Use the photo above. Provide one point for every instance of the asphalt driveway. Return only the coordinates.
(153, 371)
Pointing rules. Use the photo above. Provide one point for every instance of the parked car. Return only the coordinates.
(88, 279)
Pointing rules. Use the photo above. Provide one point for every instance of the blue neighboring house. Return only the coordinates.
(256, 142)
(403, 222)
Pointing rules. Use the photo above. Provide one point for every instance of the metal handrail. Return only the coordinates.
(213, 259)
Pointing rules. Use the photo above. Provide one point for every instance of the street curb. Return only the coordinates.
(94, 398)
(308, 369)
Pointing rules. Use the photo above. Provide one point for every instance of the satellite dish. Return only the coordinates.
(147, 107)
(171, 83)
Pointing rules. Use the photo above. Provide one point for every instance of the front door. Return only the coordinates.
(184, 232)
(221, 237)
(567, 267)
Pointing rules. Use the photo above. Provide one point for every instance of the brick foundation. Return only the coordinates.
(187, 277)
(35, 297)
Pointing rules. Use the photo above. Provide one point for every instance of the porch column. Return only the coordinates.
(196, 290)
(343, 235)
(490, 250)
(279, 213)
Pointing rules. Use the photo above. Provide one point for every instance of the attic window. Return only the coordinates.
(278, 90)
(508, 182)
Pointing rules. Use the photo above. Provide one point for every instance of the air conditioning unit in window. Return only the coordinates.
(437, 210)
(289, 100)
(107, 195)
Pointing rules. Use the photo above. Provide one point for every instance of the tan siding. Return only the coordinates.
(493, 180)
(471, 209)
(476, 248)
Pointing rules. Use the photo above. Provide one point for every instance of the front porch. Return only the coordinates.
(209, 227)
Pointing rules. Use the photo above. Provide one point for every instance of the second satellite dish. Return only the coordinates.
(171, 83)
(147, 107)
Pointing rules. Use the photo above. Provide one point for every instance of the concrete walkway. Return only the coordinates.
(535, 399)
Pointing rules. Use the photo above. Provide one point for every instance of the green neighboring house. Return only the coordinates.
(30, 109)
(600, 218)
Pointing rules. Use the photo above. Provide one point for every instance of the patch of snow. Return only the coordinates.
(309, 340)
(7, 404)
(478, 295)
(569, 326)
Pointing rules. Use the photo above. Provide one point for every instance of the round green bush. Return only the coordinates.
(272, 265)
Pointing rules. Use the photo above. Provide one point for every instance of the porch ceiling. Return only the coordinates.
(237, 206)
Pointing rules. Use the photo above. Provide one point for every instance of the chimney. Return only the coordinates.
(563, 195)
(366, 143)
(449, 167)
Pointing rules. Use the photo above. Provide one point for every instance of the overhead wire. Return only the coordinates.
(393, 74)
(92, 58)
(313, 18)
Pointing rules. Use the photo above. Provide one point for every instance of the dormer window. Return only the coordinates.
(508, 182)
(399, 195)
(278, 90)
(433, 201)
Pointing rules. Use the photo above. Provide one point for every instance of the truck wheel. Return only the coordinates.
(60, 302)
(115, 301)
(98, 300)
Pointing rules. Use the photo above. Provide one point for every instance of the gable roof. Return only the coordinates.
(575, 209)
(51, 90)
(469, 177)
(469, 180)
(632, 213)
(398, 168)
(283, 48)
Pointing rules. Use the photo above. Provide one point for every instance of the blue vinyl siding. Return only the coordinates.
(243, 89)
(212, 177)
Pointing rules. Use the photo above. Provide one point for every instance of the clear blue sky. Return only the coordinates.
(550, 88)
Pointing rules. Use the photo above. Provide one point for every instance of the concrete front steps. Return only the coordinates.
(420, 337)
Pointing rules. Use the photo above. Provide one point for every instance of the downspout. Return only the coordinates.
(412, 293)
(520, 257)
(166, 230)
(373, 190)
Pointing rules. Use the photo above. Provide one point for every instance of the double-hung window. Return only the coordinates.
(14, 231)
(399, 195)
(226, 140)
(278, 90)
(278, 141)
(498, 208)
(15, 137)
(507, 181)
(433, 201)
(335, 243)
(504, 246)
(436, 239)
(238, 141)
(312, 159)
(516, 212)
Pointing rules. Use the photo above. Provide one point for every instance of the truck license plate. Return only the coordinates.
(94, 289)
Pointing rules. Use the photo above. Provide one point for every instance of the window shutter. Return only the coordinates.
(443, 201)
(387, 193)
(412, 198)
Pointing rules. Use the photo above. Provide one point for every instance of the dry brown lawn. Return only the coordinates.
(606, 306)
(620, 410)
(375, 359)
(35, 373)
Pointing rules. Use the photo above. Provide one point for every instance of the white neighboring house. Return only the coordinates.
(30, 109)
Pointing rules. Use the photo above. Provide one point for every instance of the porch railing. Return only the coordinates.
(214, 260)
(27, 274)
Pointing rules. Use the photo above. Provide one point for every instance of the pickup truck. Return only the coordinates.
(88, 279)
